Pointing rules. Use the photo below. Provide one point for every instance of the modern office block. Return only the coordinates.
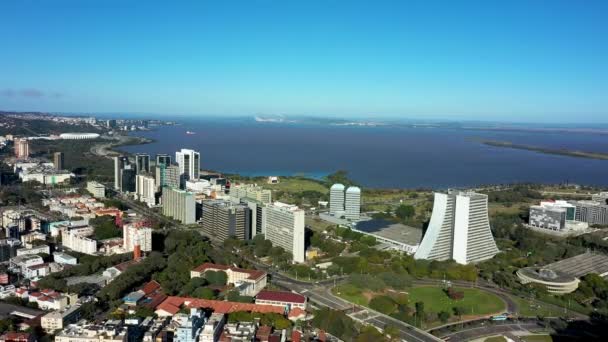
(459, 229)
(58, 161)
(285, 228)
(553, 218)
(119, 164)
(179, 204)
(22, 148)
(591, 212)
(601, 198)
(252, 192)
(189, 162)
(352, 203)
(96, 189)
(223, 219)
(145, 189)
(336, 199)
(142, 163)
(127, 179)
(169, 176)
(163, 159)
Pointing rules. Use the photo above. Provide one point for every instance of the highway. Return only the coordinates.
(468, 334)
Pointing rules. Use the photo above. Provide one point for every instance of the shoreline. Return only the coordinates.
(561, 152)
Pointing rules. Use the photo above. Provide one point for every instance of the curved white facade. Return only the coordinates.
(459, 229)
(336, 199)
(79, 136)
(555, 282)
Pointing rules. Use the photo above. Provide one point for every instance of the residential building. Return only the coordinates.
(223, 219)
(59, 319)
(127, 179)
(111, 331)
(119, 164)
(241, 331)
(189, 162)
(168, 176)
(34, 250)
(601, 198)
(163, 159)
(134, 234)
(281, 298)
(251, 192)
(213, 328)
(142, 163)
(64, 258)
(145, 189)
(96, 189)
(591, 212)
(254, 279)
(78, 242)
(352, 203)
(190, 327)
(459, 229)
(20, 264)
(179, 204)
(285, 228)
(13, 336)
(58, 160)
(336, 200)
(22, 148)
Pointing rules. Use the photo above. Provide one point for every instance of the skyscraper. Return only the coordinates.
(163, 159)
(127, 178)
(58, 160)
(285, 228)
(145, 188)
(168, 175)
(119, 164)
(179, 204)
(142, 163)
(459, 229)
(189, 162)
(336, 199)
(22, 148)
(352, 203)
(223, 219)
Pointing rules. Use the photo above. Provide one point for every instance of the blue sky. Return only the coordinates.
(531, 60)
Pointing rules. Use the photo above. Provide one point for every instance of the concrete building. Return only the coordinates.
(189, 327)
(58, 160)
(213, 328)
(352, 203)
(601, 198)
(285, 228)
(256, 198)
(556, 282)
(64, 258)
(96, 189)
(119, 164)
(591, 212)
(163, 159)
(223, 219)
(145, 189)
(459, 229)
(286, 299)
(336, 200)
(142, 163)
(59, 319)
(22, 148)
(179, 204)
(127, 179)
(548, 217)
(168, 176)
(255, 279)
(78, 243)
(45, 175)
(251, 192)
(189, 162)
(135, 235)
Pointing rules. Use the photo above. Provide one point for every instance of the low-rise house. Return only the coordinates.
(213, 327)
(21, 264)
(249, 282)
(34, 250)
(13, 336)
(59, 319)
(286, 299)
(64, 258)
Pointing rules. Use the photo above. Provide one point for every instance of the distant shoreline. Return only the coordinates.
(561, 152)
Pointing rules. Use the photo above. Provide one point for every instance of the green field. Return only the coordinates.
(537, 338)
(297, 184)
(495, 339)
(533, 309)
(475, 302)
(356, 298)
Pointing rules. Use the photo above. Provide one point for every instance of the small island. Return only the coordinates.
(563, 152)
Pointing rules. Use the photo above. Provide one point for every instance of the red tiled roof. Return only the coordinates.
(172, 305)
(125, 265)
(296, 312)
(15, 336)
(281, 296)
(253, 274)
(35, 294)
(155, 300)
(150, 287)
(296, 336)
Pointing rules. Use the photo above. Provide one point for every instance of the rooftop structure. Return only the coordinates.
(254, 278)
(79, 136)
(285, 228)
(281, 298)
(582, 264)
(396, 235)
(352, 203)
(556, 282)
(336, 199)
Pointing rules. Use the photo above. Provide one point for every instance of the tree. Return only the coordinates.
(383, 304)
(459, 311)
(444, 316)
(105, 228)
(420, 314)
(204, 293)
(405, 212)
(216, 277)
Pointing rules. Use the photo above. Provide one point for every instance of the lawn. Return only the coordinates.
(495, 339)
(533, 309)
(297, 184)
(537, 338)
(350, 295)
(475, 302)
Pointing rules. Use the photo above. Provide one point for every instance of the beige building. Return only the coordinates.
(57, 320)
(236, 276)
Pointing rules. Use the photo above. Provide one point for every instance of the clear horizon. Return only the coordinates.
(433, 60)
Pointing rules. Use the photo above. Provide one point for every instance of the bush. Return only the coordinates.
(383, 304)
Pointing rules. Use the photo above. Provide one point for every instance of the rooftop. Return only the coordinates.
(253, 274)
(582, 264)
(281, 296)
(391, 230)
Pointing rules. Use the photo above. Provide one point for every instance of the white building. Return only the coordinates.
(352, 203)
(189, 162)
(179, 205)
(64, 258)
(459, 229)
(285, 228)
(133, 234)
(145, 189)
(212, 329)
(78, 243)
(336, 200)
(35, 250)
(96, 189)
(252, 192)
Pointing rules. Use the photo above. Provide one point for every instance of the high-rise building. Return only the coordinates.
(96, 189)
(352, 203)
(58, 160)
(133, 234)
(189, 162)
(77, 242)
(591, 212)
(285, 228)
(252, 192)
(22, 148)
(119, 164)
(548, 217)
(459, 229)
(223, 219)
(601, 197)
(163, 159)
(179, 204)
(336, 200)
(145, 189)
(127, 178)
(142, 163)
(111, 123)
(168, 175)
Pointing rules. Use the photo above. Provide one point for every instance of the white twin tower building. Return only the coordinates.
(345, 204)
(459, 229)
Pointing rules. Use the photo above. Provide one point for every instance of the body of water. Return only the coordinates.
(386, 157)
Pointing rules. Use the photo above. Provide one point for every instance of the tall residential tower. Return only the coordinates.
(189, 162)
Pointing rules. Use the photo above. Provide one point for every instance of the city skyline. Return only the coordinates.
(521, 61)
